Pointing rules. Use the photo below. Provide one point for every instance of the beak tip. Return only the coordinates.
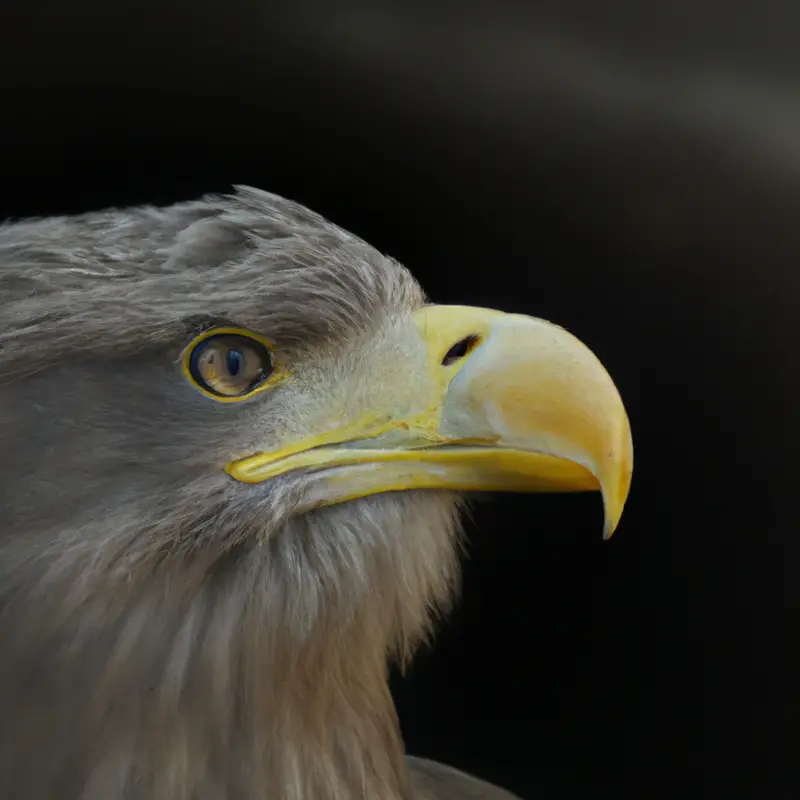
(613, 507)
(616, 488)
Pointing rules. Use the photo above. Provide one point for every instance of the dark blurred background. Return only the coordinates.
(630, 170)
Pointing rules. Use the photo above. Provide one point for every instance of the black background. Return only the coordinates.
(630, 170)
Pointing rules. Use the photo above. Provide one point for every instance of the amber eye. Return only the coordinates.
(230, 365)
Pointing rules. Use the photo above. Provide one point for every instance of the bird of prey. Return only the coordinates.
(235, 440)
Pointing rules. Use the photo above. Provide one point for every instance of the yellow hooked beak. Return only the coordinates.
(519, 405)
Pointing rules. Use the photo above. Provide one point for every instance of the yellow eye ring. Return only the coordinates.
(231, 364)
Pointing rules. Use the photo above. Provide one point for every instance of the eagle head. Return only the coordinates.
(235, 438)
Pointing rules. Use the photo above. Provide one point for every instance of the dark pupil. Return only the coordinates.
(234, 362)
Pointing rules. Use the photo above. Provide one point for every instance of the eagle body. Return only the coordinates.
(171, 632)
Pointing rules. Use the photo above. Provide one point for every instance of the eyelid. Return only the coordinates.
(278, 374)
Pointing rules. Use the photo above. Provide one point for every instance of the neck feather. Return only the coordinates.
(255, 674)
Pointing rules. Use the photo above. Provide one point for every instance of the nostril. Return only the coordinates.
(460, 349)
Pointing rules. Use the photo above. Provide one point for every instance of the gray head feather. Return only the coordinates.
(165, 632)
